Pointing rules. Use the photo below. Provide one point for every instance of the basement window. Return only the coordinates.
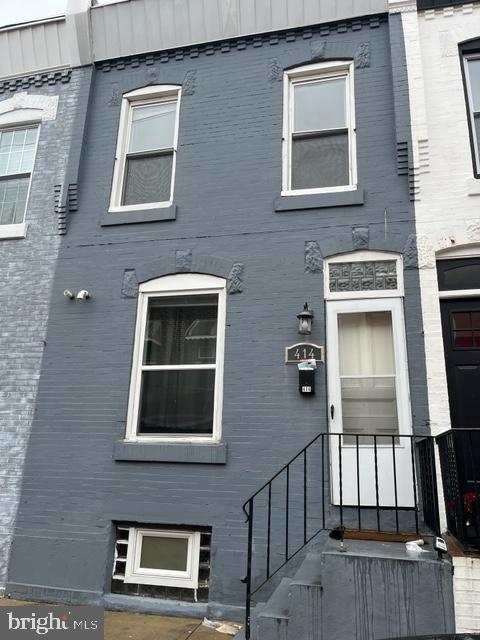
(167, 562)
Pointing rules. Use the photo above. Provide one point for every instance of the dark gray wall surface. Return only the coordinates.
(228, 175)
(27, 268)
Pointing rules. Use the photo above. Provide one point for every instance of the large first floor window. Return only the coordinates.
(178, 359)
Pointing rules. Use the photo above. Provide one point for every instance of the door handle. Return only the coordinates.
(332, 411)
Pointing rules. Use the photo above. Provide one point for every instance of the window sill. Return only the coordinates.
(136, 216)
(473, 187)
(320, 200)
(190, 452)
(13, 231)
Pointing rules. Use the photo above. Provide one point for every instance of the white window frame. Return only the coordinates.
(134, 573)
(148, 95)
(364, 256)
(311, 73)
(19, 229)
(177, 285)
(471, 113)
(367, 305)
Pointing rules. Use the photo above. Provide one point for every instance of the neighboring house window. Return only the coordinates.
(144, 171)
(319, 129)
(176, 386)
(17, 157)
(472, 77)
(166, 558)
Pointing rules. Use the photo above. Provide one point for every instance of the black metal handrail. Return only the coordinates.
(459, 452)
(293, 507)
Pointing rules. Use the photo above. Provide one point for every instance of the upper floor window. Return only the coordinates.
(177, 372)
(144, 171)
(472, 77)
(319, 129)
(17, 156)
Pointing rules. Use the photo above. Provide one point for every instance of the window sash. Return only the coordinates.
(472, 114)
(134, 573)
(18, 215)
(130, 102)
(315, 74)
(134, 405)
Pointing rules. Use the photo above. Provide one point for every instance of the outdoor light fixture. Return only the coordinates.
(81, 295)
(305, 319)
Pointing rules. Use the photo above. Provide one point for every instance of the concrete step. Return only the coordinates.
(272, 621)
(305, 600)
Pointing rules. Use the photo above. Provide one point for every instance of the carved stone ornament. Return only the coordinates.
(34, 107)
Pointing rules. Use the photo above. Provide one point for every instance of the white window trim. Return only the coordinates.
(395, 306)
(138, 575)
(319, 71)
(471, 116)
(179, 284)
(19, 229)
(363, 256)
(148, 95)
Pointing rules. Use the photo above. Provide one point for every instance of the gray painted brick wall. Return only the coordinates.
(27, 267)
(227, 177)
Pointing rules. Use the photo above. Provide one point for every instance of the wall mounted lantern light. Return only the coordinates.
(305, 319)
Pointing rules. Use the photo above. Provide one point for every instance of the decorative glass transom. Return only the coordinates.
(376, 275)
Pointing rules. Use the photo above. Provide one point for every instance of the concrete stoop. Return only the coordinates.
(375, 590)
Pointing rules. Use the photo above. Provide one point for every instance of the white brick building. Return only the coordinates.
(442, 166)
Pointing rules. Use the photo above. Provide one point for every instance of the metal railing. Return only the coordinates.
(382, 483)
(459, 451)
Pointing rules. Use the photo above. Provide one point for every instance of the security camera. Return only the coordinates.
(83, 295)
(68, 294)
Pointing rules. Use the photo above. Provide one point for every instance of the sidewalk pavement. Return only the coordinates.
(135, 626)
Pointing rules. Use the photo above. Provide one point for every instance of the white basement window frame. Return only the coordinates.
(316, 74)
(364, 256)
(178, 285)
(146, 97)
(136, 574)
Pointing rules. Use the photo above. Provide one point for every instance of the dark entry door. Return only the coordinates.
(461, 338)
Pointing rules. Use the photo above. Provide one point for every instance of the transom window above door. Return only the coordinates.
(319, 129)
(144, 171)
(363, 274)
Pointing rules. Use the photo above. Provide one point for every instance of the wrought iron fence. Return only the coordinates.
(384, 483)
(459, 451)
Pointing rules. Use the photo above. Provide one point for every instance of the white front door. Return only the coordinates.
(369, 407)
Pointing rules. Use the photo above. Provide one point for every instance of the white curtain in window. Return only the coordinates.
(367, 373)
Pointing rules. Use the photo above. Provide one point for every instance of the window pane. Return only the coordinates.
(153, 127)
(17, 151)
(474, 78)
(476, 122)
(369, 405)
(464, 276)
(320, 161)
(177, 402)
(181, 330)
(367, 372)
(320, 105)
(148, 179)
(13, 199)
(168, 554)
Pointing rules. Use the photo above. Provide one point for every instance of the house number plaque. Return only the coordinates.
(303, 351)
